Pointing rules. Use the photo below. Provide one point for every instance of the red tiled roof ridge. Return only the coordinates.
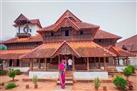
(67, 12)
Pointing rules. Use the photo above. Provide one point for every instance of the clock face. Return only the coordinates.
(26, 29)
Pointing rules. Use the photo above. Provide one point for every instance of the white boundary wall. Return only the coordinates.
(44, 74)
(22, 69)
(90, 75)
(120, 68)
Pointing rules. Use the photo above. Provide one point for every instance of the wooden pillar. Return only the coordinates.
(104, 63)
(115, 63)
(45, 61)
(94, 63)
(118, 62)
(39, 64)
(50, 63)
(31, 64)
(99, 63)
(127, 60)
(73, 64)
(87, 63)
(58, 59)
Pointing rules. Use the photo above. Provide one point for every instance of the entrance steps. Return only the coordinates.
(68, 79)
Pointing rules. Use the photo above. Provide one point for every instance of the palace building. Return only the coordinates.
(42, 48)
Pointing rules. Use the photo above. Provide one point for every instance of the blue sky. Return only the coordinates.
(118, 17)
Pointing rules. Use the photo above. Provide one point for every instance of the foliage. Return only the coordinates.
(127, 71)
(35, 79)
(3, 72)
(120, 83)
(18, 72)
(10, 86)
(132, 68)
(3, 47)
(97, 83)
(12, 73)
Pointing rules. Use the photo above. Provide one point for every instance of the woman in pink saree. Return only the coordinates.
(62, 74)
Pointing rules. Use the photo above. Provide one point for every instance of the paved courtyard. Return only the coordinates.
(51, 85)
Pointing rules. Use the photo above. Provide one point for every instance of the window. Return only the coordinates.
(81, 32)
(67, 33)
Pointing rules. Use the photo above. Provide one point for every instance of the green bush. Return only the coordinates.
(35, 80)
(10, 86)
(97, 83)
(127, 72)
(3, 72)
(132, 68)
(18, 72)
(12, 73)
(120, 83)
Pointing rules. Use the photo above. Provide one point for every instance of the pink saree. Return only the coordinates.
(62, 75)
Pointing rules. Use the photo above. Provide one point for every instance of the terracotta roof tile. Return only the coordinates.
(21, 17)
(90, 49)
(12, 54)
(84, 25)
(72, 20)
(36, 22)
(81, 49)
(129, 43)
(36, 38)
(120, 52)
(42, 51)
(100, 34)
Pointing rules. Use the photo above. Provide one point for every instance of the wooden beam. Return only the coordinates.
(87, 63)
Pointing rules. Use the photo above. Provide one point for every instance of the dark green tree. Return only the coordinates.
(120, 83)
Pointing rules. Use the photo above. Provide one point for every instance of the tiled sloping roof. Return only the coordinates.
(36, 22)
(84, 25)
(120, 52)
(100, 34)
(68, 14)
(12, 54)
(90, 49)
(21, 17)
(129, 43)
(81, 49)
(80, 25)
(43, 51)
(69, 18)
(36, 38)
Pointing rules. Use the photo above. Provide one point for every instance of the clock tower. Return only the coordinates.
(26, 27)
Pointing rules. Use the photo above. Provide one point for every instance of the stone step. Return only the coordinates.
(68, 78)
(66, 82)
